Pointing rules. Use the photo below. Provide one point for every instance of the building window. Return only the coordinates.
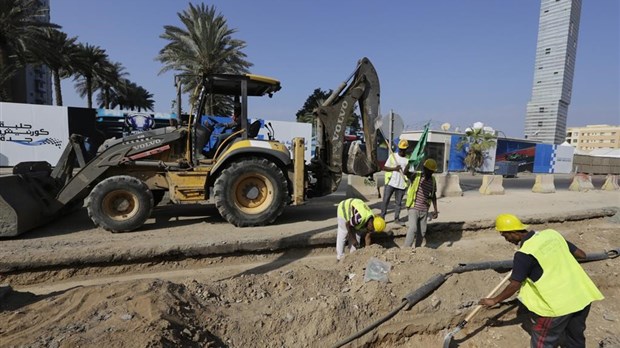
(538, 81)
(540, 123)
(541, 109)
(547, 50)
(540, 68)
(555, 73)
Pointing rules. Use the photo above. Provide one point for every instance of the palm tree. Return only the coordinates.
(114, 80)
(92, 66)
(18, 32)
(476, 141)
(128, 95)
(204, 46)
(59, 53)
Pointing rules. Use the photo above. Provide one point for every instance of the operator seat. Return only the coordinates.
(254, 129)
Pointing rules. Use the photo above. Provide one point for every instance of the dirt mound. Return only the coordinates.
(312, 304)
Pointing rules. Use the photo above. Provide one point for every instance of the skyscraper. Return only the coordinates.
(32, 84)
(554, 68)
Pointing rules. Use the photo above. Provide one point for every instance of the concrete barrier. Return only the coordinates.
(448, 185)
(544, 184)
(581, 182)
(362, 187)
(492, 185)
(611, 183)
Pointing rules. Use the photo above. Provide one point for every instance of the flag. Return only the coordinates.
(418, 152)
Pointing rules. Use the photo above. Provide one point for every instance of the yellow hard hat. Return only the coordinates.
(403, 144)
(430, 164)
(508, 223)
(378, 223)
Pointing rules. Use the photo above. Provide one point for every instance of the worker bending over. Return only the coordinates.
(553, 286)
(355, 219)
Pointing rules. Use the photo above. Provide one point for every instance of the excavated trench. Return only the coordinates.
(293, 298)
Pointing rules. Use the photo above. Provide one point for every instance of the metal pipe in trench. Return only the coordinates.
(435, 281)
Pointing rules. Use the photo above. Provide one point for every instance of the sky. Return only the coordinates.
(444, 61)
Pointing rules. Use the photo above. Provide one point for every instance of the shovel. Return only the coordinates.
(461, 325)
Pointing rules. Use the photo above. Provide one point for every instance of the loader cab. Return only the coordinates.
(209, 139)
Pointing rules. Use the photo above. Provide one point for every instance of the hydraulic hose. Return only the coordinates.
(435, 281)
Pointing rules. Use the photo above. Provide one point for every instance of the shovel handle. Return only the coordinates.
(473, 312)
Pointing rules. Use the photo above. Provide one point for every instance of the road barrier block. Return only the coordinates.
(448, 185)
(362, 187)
(492, 185)
(581, 182)
(544, 184)
(611, 183)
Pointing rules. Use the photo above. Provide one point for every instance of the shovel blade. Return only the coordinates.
(448, 338)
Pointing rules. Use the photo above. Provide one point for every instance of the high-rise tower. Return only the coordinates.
(32, 84)
(554, 68)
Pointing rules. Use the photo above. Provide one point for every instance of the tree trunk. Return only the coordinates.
(89, 92)
(57, 91)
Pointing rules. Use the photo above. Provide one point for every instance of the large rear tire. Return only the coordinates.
(251, 192)
(120, 204)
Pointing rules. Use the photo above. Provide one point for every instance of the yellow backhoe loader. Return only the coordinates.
(249, 180)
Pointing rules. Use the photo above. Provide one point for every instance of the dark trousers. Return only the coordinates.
(547, 332)
(398, 197)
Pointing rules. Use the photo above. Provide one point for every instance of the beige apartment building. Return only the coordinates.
(591, 137)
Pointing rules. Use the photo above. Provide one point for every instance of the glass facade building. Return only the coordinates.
(556, 50)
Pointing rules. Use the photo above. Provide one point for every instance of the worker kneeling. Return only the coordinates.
(355, 219)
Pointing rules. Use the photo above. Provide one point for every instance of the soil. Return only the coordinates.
(297, 298)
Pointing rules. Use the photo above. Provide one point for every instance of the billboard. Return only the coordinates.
(553, 159)
(518, 151)
(32, 133)
(456, 162)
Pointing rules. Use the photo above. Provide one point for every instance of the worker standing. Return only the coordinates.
(355, 218)
(395, 180)
(420, 195)
(553, 286)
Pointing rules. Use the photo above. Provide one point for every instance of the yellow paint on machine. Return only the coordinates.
(257, 144)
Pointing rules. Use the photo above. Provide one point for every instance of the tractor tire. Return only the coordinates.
(120, 204)
(251, 192)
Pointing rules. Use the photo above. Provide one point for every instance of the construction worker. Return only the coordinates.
(395, 180)
(420, 194)
(553, 286)
(354, 219)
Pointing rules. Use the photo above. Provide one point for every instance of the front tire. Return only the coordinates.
(120, 204)
(251, 192)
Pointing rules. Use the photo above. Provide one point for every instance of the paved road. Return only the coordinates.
(198, 230)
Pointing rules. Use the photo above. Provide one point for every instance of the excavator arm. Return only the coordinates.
(332, 157)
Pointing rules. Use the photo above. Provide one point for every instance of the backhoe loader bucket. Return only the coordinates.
(27, 200)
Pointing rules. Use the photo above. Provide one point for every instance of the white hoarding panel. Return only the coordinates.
(563, 159)
(285, 131)
(32, 133)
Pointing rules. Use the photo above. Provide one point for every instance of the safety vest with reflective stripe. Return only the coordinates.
(412, 191)
(344, 211)
(564, 287)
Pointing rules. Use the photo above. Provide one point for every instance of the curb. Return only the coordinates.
(327, 238)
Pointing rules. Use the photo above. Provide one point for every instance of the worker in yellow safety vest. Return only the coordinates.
(420, 195)
(395, 180)
(355, 219)
(553, 286)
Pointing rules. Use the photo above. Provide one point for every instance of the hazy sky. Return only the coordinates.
(455, 61)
